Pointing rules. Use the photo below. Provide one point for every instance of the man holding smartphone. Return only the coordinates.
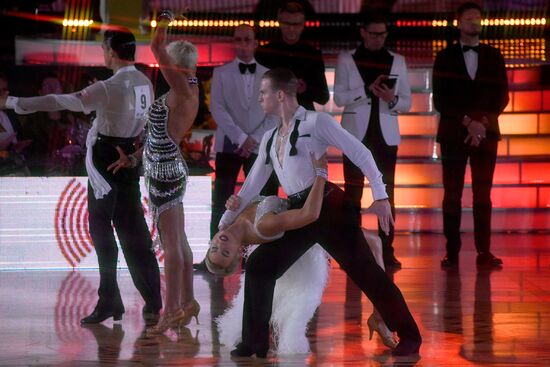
(372, 85)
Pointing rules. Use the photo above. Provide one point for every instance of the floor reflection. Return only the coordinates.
(467, 317)
(483, 347)
(108, 339)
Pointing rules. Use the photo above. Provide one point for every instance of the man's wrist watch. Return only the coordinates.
(133, 160)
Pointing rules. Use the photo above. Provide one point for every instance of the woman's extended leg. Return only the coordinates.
(375, 322)
(187, 300)
(171, 232)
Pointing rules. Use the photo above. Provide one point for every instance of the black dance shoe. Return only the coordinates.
(243, 350)
(392, 263)
(449, 262)
(488, 260)
(150, 315)
(100, 315)
(407, 347)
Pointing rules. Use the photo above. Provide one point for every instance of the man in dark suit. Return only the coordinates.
(292, 52)
(470, 91)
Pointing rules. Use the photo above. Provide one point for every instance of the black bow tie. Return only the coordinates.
(250, 67)
(473, 48)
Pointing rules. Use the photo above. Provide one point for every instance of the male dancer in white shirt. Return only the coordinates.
(286, 149)
(120, 103)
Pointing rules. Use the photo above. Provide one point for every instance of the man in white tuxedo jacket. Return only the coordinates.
(372, 85)
(240, 119)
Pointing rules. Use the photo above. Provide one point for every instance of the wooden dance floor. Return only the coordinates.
(466, 317)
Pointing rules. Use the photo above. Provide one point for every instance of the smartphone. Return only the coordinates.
(389, 82)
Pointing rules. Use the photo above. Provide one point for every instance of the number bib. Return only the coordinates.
(143, 100)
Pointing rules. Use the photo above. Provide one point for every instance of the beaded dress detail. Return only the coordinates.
(165, 169)
(268, 204)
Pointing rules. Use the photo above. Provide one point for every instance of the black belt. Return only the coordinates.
(115, 140)
(299, 198)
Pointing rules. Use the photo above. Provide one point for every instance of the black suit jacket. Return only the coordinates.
(305, 61)
(455, 94)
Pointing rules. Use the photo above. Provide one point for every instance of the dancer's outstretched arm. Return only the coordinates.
(270, 225)
(176, 76)
(87, 100)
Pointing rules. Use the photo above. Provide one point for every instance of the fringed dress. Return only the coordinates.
(165, 169)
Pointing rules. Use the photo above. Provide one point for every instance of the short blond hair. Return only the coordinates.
(220, 270)
(183, 53)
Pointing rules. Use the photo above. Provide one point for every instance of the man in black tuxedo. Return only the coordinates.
(470, 91)
(291, 51)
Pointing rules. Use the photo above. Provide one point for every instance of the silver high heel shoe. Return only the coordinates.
(376, 324)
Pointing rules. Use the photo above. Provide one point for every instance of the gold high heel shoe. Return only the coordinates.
(166, 321)
(191, 310)
(376, 324)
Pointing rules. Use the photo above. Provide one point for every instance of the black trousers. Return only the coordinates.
(338, 231)
(228, 166)
(122, 209)
(385, 157)
(454, 157)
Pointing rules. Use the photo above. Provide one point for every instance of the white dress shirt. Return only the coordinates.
(471, 59)
(317, 131)
(121, 103)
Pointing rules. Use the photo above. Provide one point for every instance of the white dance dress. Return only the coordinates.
(298, 293)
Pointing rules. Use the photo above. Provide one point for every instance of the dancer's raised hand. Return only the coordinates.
(382, 209)
(122, 162)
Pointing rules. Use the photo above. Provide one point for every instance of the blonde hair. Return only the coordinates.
(220, 270)
(183, 53)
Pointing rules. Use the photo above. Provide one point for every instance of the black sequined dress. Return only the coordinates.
(165, 169)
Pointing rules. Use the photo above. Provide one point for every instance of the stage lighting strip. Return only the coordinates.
(229, 23)
(399, 23)
(77, 22)
(484, 22)
(316, 23)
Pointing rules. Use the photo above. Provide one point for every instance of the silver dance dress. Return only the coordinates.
(269, 204)
(165, 169)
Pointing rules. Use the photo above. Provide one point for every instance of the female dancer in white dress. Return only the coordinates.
(166, 173)
(299, 291)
